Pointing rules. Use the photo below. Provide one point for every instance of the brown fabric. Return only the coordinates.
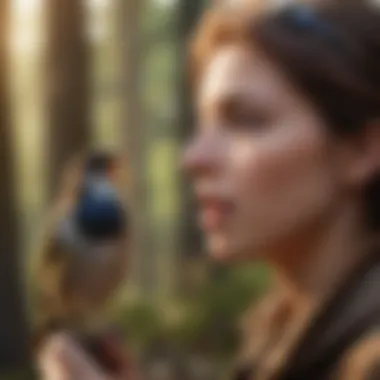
(350, 314)
(362, 361)
(373, 373)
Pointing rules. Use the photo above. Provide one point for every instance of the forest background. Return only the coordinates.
(111, 74)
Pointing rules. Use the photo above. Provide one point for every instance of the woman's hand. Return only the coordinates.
(61, 358)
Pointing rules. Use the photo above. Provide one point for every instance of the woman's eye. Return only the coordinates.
(247, 119)
(238, 115)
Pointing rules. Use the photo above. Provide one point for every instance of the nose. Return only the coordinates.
(202, 155)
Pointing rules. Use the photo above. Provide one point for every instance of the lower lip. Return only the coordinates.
(213, 219)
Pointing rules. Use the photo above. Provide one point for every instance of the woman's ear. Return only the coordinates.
(361, 155)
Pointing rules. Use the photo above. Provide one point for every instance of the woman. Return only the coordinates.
(285, 162)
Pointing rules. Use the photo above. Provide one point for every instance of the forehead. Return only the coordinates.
(236, 70)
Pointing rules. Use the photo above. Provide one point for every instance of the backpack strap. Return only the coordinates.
(351, 312)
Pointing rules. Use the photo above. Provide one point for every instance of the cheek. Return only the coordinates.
(283, 177)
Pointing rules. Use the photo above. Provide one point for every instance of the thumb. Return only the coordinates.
(64, 360)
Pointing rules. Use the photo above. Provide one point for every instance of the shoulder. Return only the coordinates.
(362, 361)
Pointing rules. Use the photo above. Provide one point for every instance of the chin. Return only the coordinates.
(226, 250)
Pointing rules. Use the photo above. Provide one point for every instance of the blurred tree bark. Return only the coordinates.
(68, 74)
(128, 24)
(189, 13)
(13, 328)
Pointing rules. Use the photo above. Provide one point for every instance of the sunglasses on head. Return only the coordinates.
(303, 19)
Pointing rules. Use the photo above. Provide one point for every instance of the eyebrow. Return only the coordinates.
(234, 100)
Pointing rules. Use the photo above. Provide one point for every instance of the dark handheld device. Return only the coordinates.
(100, 348)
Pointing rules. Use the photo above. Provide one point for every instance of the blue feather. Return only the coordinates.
(99, 213)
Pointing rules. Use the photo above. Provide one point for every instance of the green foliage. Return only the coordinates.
(212, 324)
(208, 323)
(141, 322)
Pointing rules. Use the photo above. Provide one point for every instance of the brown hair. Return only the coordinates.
(331, 53)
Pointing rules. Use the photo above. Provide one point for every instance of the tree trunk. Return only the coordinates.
(68, 75)
(128, 32)
(13, 328)
(189, 12)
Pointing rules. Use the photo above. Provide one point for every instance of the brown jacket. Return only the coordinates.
(340, 342)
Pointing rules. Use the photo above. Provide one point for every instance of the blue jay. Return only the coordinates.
(99, 214)
(83, 257)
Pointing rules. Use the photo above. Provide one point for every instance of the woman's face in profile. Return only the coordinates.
(262, 163)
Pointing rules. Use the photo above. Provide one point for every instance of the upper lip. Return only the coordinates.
(212, 199)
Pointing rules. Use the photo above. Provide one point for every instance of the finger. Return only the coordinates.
(63, 357)
(50, 363)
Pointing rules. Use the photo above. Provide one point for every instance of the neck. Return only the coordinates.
(316, 264)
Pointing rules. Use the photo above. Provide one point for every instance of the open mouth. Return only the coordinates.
(214, 213)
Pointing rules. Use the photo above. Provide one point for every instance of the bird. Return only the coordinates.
(83, 252)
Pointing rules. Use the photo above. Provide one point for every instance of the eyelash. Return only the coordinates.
(247, 120)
